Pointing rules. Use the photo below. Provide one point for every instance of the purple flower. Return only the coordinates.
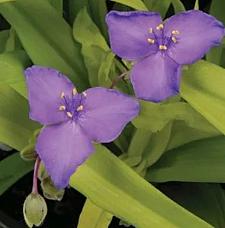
(73, 121)
(160, 48)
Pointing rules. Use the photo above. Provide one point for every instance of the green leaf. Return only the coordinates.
(196, 7)
(203, 87)
(93, 216)
(12, 65)
(161, 6)
(104, 70)
(16, 127)
(3, 1)
(154, 116)
(12, 169)
(178, 6)
(136, 4)
(3, 39)
(205, 200)
(112, 185)
(58, 4)
(86, 32)
(94, 48)
(199, 161)
(217, 54)
(46, 44)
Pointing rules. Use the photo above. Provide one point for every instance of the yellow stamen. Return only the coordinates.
(162, 47)
(69, 114)
(62, 94)
(62, 108)
(151, 41)
(80, 108)
(175, 32)
(74, 91)
(174, 39)
(84, 93)
(150, 30)
(160, 26)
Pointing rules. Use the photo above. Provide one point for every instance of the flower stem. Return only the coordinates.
(116, 80)
(35, 176)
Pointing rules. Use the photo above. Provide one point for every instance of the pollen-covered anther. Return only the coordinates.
(160, 26)
(151, 41)
(174, 39)
(162, 47)
(80, 108)
(69, 114)
(150, 30)
(84, 93)
(62, 108)
(175, 32)
(74, 91)
(62, 95)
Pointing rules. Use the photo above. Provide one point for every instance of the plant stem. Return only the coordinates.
(116, 80)
(35, 176)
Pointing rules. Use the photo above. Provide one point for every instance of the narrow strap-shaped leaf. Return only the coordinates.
(12, 169)
(112, 185)
(135, 4)
(200, 161)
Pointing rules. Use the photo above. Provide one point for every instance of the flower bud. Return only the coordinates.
(34, 210)
(28, 153)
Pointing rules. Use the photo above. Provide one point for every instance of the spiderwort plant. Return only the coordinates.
(161, 48)
(73, 121)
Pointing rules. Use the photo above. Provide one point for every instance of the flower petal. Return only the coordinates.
(62, 148)
(129, 33)
(106, 112)
(155, 78)
(198, 33)
(45, 86)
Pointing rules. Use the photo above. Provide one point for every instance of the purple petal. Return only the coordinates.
(45, 86)
(155, 78)
(198, 33)
(129, 33)
(62, 148)
(106, 112)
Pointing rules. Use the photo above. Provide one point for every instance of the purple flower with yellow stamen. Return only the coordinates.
(73, 121)
(160, 48)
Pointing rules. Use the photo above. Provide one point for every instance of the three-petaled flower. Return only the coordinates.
(160, 48)
(72, 120)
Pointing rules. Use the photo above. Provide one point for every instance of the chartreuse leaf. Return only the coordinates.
(16, 127)
(217, 54)
(154, 116)
(3, 39)
(12, 168)
(58, 4)
(203, 87)
(199, 161)
(205, 200)
(46, 44)
(178, 6)
(97, 55)
(112, 185)
(93, 216)
(12, 65)
(3, 1)
(135, 4)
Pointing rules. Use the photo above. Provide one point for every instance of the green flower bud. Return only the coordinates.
(28, 153)
(50, 191)
(34, 210)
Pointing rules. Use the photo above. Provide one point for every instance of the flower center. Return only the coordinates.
(157, 37)
(72, 105)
